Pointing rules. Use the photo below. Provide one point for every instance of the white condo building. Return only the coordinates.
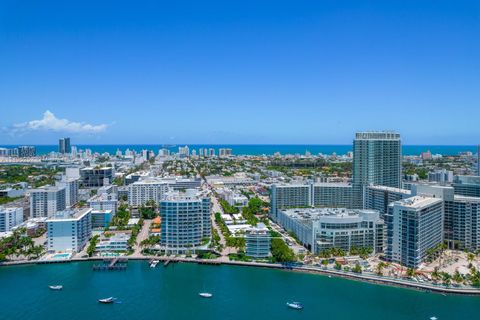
(46, 201)
(71, 186)
(69, 231)
(104, 201)
(322, 228)
(10, 217)
(414, 226)
(145, 190)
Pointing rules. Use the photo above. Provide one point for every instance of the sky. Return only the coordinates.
(239, 72)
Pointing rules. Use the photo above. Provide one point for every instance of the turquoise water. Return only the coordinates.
(239, 293)
(268, 149)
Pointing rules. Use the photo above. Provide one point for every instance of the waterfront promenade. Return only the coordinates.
(365, 277)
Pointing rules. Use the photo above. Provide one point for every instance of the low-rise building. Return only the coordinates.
(104, 201)
(257, 242)
(101, 218)
(117, 242)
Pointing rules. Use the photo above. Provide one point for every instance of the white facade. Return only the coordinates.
(46, 201)
(71, 186)
(118, 242)
(10, 217)
(69, 231)
(104, 201)
(414, 226)
(149, 189)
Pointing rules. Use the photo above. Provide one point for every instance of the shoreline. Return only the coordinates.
(377, 280)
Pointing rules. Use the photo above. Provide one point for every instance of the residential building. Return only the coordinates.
(234, 198)
(289, 196)
(101, 218)
(225, 152)
(26, 151)
(327, 195)
(441, 176)
(10, 217)
(71, 186)
(332, 195)
(116, 243)
(46, 201)
(96, 176)
(146, 190)
(186, 224)
(257, 242)
(323, 228)
(13, 190)
(379, 197)
(468, 186)
(376, 161)
(462, 216)
(64, 146)
(104, 201)
(414, 226)
(69, 231)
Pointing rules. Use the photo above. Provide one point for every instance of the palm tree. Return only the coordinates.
(410, 272)
(435, 274)
(470, 257)
(446, 278)
(457, 277)
(379, 269)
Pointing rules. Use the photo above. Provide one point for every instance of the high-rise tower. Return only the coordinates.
(376, 160)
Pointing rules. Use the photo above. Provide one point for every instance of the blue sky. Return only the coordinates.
(239, 71)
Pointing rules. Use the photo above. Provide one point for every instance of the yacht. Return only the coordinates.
(107, 300)
(295, 305)
(57, 287)
(205, 295)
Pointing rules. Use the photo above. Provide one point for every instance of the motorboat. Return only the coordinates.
(56, 287)
(205, 295)
(107, 300)
(154, 263)
(295, 305)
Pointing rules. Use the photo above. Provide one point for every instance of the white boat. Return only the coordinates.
(295, 305)
(107, 300)
(154, 263)
(205, 295)
(57, 287)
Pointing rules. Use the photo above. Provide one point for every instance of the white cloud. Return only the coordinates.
(50, 122)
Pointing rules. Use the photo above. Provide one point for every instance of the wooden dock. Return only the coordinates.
(115, 264)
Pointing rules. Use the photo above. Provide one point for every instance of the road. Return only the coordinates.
(143, 234)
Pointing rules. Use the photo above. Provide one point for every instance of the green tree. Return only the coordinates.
(281, 252)
(92, 245)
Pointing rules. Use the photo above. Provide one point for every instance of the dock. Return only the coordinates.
(115, 264)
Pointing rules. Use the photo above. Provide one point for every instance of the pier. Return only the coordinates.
(115, 264)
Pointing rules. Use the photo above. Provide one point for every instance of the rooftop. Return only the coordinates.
(69, 215)
(390, 189)
(417, 202)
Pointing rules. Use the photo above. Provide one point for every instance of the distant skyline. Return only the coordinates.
(246, 72)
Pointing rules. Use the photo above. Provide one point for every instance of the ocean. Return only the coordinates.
(241, 293)
(267, 149)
